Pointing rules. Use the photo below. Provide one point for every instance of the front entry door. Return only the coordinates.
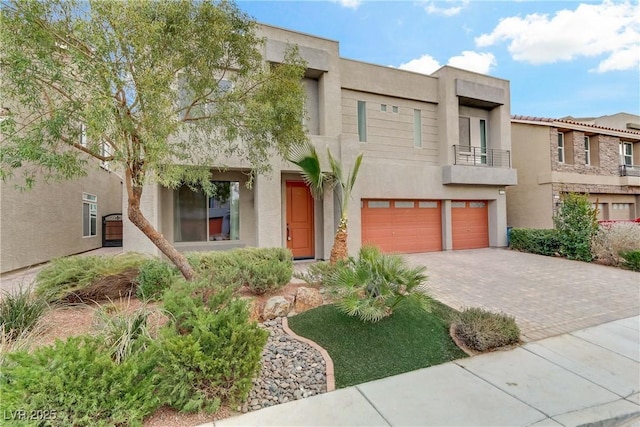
(299, 220)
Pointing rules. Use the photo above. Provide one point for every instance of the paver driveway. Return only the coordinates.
(547, 295)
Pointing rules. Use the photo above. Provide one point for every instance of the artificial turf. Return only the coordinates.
(410, 339)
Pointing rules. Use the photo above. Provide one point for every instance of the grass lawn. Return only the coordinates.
(408, 340)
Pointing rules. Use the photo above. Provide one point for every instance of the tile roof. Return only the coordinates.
(569, 122)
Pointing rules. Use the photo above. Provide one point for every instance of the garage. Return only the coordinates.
(402, 226)
(469, 224)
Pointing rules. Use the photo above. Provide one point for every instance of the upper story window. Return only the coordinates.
(561, 147)
(417, 128)
(362, 121)
(483, 141)
(464, 131)
(383, 107)
(587, 151)
(626, 153)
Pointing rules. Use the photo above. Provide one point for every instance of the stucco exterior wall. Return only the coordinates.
(46, 222)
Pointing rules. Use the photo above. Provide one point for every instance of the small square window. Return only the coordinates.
(395, 108)
(383, 107)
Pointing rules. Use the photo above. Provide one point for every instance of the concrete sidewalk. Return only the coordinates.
(587, 377)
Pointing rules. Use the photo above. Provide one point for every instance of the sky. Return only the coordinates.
(563, 58)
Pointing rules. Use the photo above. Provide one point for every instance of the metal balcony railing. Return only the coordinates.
(628, 170)
(467, 155)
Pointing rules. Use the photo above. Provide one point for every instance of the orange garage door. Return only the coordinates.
(402, 226)
(470, 224)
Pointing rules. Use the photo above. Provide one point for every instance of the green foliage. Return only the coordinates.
(262, 270)
(535, 241)
(482, 330)
(66, 275)
(612, 239)
(410, 339)
(631, 260)
(577, 224)
(318, 273)
(373, 285)
(210, 351)
(154, 277)
(20, 312)
(124, 332)
(78, 381)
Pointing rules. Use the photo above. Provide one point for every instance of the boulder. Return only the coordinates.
(276, 307)
(307, 298)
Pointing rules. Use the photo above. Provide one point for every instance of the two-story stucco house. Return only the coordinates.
(555, 156)
(436, 163)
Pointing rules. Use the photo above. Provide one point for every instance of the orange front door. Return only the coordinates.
(299, 220)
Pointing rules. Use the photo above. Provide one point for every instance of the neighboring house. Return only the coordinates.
(617, 121)
(55, 219)
(436, 163)
(555, 156)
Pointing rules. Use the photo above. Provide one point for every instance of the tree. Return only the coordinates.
(577, 225)
(307, 159)
(162, 89)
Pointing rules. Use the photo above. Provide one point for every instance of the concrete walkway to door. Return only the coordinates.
(548, 296)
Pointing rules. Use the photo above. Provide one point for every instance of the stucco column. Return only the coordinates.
(498, 221)
(133, 239)
(268, 213)
(447, 236)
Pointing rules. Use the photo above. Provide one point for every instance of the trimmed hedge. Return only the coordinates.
(535, 241)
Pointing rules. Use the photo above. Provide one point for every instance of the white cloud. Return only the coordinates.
(480, 62)
(610, 29)
(426, 64)
(432, 9)
(351, 4)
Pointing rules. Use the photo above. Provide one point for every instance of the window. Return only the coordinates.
(89, 215)
(204, 105)
(587, 151)
(483, 141)
(378, 204)
(626, 153)
(417, 128)
(383, 107)
(83, 135)
(402, 204)
(394, 108)
(199, 218)
(362, 121)
(561, 147)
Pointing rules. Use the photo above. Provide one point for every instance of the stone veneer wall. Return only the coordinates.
(605, 154)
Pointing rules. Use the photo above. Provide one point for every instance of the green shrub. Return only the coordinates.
(319, 272)
(124, 332)
(262, 270)
(373, 285)
(631, 260)
(20, 312)
(154, 278)
(577, 224)
(611, 240)
(64, 276)
(535, 241)
(78, 382)
(210, 351)
(482, 330)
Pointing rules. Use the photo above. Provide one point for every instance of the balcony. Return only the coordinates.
(474, 165)
(466, 155)
(628, 170)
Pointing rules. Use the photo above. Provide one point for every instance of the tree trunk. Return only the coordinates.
(339, 250)
(138, 219)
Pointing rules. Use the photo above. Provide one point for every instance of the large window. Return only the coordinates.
(464, 130)
(483, 141)
(362, 121)
(198, 218)
(561, 147)
(89, 215)
(626, 153)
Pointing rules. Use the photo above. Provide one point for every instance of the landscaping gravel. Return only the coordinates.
(291, 370)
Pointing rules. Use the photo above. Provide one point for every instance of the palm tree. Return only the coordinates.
(306, 158)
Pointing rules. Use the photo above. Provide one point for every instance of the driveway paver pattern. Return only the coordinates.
(547, 295)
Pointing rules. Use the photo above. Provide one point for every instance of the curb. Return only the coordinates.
(331, 381)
